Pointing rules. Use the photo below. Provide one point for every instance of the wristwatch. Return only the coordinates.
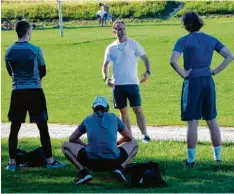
(148, 72)
(105, 79)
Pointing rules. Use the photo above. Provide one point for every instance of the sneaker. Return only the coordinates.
(55, 164)
(146, 139)
(188, 164)
(82, 177)
(118, 173)
(11, 167)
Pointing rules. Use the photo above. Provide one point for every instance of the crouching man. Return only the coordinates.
(103, 152)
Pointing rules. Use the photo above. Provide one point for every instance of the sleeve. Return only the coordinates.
(218, 45)
(179, 46)
(107, 56)
(120, 124)
(82, 127)
(139, 50)
(40, 58)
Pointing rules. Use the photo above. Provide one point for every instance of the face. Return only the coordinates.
(120, 31)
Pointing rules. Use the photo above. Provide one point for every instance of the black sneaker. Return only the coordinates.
(119, 175)
(188, 164)
(146, 139)
(82, 177)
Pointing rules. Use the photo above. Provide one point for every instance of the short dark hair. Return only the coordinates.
(117, 22)
(192, 21)
(22, 28)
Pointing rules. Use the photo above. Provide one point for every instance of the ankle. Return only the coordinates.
(50, 160)
(12, 161)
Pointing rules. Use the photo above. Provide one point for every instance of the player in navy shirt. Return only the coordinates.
(26, 65)
(198, 99)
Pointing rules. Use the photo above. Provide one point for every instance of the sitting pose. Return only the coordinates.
(103, 152)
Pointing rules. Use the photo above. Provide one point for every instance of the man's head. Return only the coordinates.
(23, 30)
(100, 104)
(192, 21)
(119, 29)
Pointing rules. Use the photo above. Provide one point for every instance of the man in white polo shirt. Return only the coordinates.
(124, 53)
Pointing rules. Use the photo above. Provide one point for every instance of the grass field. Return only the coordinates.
(205, 177)
(74, 71)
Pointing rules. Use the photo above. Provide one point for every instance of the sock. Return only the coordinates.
(217, 152)
(191, 155)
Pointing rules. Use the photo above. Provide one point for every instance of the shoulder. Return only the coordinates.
(9, 48)
(131, 41)
(113, 44)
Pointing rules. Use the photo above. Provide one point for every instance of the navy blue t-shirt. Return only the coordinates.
(197, 49)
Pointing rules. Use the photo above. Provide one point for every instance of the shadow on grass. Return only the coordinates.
(204, 177)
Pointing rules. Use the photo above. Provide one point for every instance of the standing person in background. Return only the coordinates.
(25, 64)
(104, 14)
(198, 99)
(124, 54)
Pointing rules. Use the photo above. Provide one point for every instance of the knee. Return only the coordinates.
(124, 112)
(65, 146)
(137, 110)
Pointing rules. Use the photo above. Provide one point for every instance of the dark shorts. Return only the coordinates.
(123, 92)
(101, 165)
(31, 100)
(198, 100)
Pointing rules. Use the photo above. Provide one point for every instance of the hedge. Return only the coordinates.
(208, 7)
(86, 11)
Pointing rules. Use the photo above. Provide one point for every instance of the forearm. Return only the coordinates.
(79, 141)
(42, 71)
(223, 65)
(123, 139)
(178, 70)
(147, 64)
(105, 70)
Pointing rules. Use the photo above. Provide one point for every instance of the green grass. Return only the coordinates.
(205, 177)
(74, 71)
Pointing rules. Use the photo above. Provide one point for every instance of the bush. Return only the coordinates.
(86, 11)
(208, 7)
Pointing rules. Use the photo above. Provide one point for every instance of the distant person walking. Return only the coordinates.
(198, 100)
(26, 65)
(124, 54)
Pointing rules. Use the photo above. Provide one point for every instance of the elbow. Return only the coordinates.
(172, 63)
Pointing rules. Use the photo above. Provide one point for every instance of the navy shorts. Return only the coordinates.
(31, 100)
(124, 92)
(198, 100)
(101, 165)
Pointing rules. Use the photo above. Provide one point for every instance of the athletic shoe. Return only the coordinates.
(146, 139)
(119, 175)
(11, 167)
(82, 177)
(188, 164)
(55, 164)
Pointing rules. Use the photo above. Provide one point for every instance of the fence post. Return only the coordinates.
(60, 17)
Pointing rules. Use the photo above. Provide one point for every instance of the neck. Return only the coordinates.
(23, 39)
(122, 39)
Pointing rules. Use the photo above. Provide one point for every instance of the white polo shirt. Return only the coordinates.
(124, 57)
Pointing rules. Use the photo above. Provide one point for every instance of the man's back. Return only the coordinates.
(102, 135)
(22, 61)
(198, 49)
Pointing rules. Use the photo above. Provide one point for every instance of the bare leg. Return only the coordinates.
(214, 132)
(131, 148)
(215, 138)
(141, 122)
(125, 118)
(71, 151)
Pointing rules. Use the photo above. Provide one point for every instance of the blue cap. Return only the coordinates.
(100, 101)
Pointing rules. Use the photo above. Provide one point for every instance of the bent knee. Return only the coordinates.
(65, 145)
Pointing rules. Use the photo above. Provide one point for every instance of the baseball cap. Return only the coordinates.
(100, 101)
